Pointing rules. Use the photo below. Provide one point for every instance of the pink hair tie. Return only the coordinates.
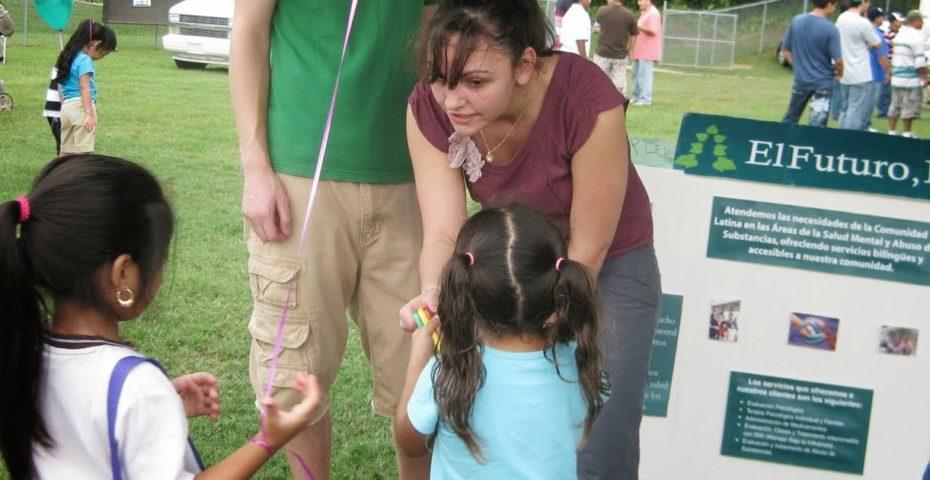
(558, 264)
(24, 210)
(471, 258)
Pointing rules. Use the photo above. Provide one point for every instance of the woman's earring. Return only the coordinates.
(125, 302)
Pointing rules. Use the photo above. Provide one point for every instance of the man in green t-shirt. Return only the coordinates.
(364, 236)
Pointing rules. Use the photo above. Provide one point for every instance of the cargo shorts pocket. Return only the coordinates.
(270, 281)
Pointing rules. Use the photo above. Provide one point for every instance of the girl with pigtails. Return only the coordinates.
(517, 380)
(499, 113)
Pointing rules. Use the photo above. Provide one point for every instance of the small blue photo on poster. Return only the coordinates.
(813, 331)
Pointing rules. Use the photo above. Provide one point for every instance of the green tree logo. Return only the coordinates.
(709, 137)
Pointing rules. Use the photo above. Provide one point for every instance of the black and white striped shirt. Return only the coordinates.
(52, 97)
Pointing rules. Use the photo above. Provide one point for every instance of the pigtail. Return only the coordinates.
(577, 318)
(460, 373)
(22, 335)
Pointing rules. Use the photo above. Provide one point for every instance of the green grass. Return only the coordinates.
(180, 125)
(756, 88)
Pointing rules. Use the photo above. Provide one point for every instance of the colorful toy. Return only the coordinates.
(422, 316)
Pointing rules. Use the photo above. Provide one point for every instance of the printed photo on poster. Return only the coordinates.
(724, 319)
(898, 341)
(813, 331)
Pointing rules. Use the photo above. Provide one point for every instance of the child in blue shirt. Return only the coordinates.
(91, 41)
(517, 380)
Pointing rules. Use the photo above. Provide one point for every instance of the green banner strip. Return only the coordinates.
(820, 240)
(799, 423)
(786, 154)
(662, 362)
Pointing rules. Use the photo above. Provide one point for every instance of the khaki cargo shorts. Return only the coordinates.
(74, 137)
(361, 256)
(905, 103)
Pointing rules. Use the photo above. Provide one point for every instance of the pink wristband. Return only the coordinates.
(261, 443)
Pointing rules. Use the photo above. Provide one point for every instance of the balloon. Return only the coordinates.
(56, 13)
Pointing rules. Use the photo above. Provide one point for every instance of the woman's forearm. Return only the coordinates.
(433, 257)
(591, 255)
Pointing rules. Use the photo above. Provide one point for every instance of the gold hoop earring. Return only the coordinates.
(125, 302)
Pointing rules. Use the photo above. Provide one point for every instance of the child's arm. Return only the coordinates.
(409, 440)
(90, 120)
(280, 427)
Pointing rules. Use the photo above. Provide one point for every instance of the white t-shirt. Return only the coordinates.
(908, 56)
(576, 25)
(151, 427)
(856, 35)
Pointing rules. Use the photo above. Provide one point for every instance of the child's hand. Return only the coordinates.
(429, 298)
(422, 347)
(200, 394)
(90, 122)
(281, 426)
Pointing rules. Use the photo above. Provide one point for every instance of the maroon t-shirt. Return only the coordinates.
(540, 173)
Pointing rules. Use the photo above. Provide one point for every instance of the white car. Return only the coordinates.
(198, 32)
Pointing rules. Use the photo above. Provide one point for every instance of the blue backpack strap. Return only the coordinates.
(114, 389)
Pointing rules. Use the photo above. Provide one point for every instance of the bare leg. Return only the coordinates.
(412, 468)
(314, 445)
(907, 124)
(892, 124)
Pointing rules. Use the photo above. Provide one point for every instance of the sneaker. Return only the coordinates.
(908, 135)
(642, 102)
(893, 133)
(872, 130)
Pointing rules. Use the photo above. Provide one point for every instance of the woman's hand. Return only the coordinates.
(200, 394)
(429, 298)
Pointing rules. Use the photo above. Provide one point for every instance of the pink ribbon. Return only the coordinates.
(279, 338)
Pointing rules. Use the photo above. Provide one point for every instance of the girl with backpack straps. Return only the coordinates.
(82, 252)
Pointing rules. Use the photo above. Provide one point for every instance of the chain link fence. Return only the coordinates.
(699, 39)
(760, 27)
(31, 29)
(763, 24)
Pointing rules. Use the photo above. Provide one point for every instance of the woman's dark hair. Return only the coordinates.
(513, 287)
(823, 3)
(509, 24)
(84, 211)
(562, 6)
(87, 31)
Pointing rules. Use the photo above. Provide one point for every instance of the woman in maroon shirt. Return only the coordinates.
(502, 114)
